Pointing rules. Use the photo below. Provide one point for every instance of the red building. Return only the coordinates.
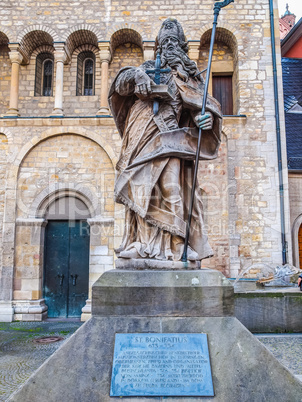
(291, 45)
(286, 22)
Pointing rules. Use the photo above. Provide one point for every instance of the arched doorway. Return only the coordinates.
(66, 257)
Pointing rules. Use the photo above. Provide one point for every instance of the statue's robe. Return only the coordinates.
(153, 148)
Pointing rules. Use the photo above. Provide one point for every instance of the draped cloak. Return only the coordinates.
(149, 143)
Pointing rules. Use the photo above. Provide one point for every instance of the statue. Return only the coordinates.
(158, 123)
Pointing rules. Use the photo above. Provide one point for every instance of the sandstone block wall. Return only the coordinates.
(43, 155)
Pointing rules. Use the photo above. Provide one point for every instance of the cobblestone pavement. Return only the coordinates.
(20, 356)
(287, 348)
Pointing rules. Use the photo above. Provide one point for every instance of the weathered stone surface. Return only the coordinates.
(152, 293)
(242, 368)
(145, 263)
(268, 311)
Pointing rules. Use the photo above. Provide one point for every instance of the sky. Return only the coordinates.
(295, 7)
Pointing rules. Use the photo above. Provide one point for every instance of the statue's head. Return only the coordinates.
(171, 34)
(171, 42)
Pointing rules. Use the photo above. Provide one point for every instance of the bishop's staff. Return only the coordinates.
(217, 7)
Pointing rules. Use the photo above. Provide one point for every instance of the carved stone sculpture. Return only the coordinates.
(155, 168)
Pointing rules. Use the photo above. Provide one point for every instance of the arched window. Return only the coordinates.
(223, 83)
(44, 74)
(86, 73)
(47, 77)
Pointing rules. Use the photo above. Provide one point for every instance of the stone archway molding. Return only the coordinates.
(233, 31)
(115, 28)
(52, 132)
(43, 28)
(8, 134)
(60, 190)
(7, 32)
(83, 27)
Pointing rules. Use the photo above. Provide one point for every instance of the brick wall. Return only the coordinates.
(66, 159)
(81, 105)
(213, 180)
(125, 55)
(29, 104)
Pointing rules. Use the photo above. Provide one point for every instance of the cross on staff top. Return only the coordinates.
(157, 71)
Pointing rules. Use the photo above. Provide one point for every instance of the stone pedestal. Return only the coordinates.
(162, 302)
(204, 293)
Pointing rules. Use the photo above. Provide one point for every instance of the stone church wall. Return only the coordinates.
(125, 55)
(240, 188)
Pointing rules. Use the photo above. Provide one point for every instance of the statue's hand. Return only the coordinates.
(142, 83)
(205, 121)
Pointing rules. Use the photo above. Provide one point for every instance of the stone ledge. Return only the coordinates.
(236, 119)
(55, 121)
(31, 222)
(200, 293)
(274, 310)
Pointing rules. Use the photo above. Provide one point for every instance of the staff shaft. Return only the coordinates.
(205, 95)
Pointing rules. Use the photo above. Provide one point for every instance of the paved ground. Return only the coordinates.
(287, 348)
(20, 356)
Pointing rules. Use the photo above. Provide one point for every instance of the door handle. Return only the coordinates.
(74, 279)
(61, 279)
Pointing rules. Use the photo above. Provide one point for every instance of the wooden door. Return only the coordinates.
(66, 267)
(223, 92)
(300, 245)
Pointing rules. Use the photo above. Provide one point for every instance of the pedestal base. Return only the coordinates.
(242, 368)
(103, 111)
(30, 310)
(162, 302)
(201, 293)
(57, 113)
(12, 113)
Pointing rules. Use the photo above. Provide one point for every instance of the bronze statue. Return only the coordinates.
(159, 124)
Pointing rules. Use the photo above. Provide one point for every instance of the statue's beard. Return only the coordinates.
(179, 60)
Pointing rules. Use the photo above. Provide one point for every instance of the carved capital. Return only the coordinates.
(61, 54)
(15, 56)
(105, 53)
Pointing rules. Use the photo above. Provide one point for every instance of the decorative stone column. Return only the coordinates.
(105, 56)
(60, 59)
(16, 59)
(28, 302)
(148, 47)
(194, 47)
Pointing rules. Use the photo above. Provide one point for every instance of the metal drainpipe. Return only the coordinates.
(281, 186)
